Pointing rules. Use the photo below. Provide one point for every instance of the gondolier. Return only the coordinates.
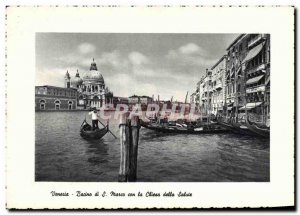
(94, 118)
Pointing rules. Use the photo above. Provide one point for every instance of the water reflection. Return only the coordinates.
(97, 151)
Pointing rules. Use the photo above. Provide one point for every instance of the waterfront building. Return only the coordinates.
(89, 91)
(206, 93)
(145, 100)
(257, 67)
(120, 100)
(197, 97)
(193, 98)
(134, 99)
(91, 88)
(55, 98)
(235, 75)
(218, 86)
(200, 100)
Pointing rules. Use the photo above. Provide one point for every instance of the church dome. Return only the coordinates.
(76, 81)
(93, 75)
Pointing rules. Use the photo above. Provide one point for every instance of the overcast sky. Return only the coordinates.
(142, 64)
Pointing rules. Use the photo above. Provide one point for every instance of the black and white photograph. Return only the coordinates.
(152, 107)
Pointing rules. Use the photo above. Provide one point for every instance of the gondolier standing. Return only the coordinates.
(94, 118)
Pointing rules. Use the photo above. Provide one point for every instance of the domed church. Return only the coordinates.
(91, 88)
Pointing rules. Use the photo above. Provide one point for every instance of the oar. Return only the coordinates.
(84, 120)
(108, 130)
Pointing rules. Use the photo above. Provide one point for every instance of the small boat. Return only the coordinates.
(87, 133)
(228, 126)
(242, 128)
(164, 128)
(264, 132)
(245, 128)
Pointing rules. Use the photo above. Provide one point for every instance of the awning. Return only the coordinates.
(229, 108)
(250, 106)
(231, 73)
(230, 104)
(253, 52)
(254, 80)
(268, 80)
(239, 69)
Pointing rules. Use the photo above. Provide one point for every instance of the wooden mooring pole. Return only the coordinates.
(135, 130)
(129, 138)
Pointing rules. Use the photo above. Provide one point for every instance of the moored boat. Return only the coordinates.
(242, 128)
(261, 131)
(165, 128)
(87, 132)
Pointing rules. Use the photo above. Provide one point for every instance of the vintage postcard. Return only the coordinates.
(150, 107)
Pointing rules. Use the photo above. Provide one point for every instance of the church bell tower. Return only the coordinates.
(67, 80)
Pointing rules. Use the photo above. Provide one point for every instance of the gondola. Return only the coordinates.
(237, 128)
(243, 128)
(182, 130)
(263, 132)
(87, 133)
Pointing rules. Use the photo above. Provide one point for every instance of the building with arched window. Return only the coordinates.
(55, 98)
(77, 93)
(218, 86)
(91, 88)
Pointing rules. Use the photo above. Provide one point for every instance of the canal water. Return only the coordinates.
(62, 155)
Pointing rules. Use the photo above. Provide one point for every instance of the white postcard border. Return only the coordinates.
(24, 22)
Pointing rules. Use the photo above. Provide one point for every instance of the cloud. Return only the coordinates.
(189, 55)
(53, 76)
(190, 48)
(113, 59)
(137, 58)
(86, 48)
(132, 72)
(121, 84)
(80, 57)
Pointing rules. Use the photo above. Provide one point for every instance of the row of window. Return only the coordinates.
(56, 92)
(57, 104)
(242, 46)
(258, 60)
(56, 101)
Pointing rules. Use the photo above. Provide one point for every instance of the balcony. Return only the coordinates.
(256, 89)
(255, 40)
(229, 96)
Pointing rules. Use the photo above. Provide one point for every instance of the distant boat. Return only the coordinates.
(165, 128)
(87, 133)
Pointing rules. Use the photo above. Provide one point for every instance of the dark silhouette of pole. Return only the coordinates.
(133, 148)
